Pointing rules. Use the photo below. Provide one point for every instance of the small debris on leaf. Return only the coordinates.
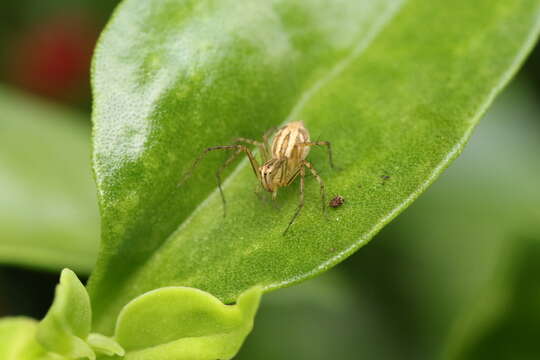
(336, 201)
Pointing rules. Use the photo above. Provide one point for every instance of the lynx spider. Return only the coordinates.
(282, 161)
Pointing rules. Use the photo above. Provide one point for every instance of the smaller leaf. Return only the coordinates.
(67, 324)
(104, 345)
(183, 323)
(18, 341)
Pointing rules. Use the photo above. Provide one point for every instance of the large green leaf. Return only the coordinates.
(397, 86)
(48, 214)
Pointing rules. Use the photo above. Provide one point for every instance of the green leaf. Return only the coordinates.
(397, 86)
(67, 324)
(48, 214)
(181, 323)
(18, 342)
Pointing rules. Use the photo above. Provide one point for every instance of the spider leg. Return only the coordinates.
(283, 167)
(320, 143)
(262, 196)
(218, 178)
(319, 180)
(260, 145)
(238, 148)
(248, 141)
(302, 173)
(258, 191)
(266, 140)
(252, 160)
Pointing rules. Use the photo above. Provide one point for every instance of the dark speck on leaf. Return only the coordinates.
(336, 201)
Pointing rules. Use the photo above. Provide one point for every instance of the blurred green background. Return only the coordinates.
(457, 276)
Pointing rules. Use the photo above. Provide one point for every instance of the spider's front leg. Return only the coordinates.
(218, 178)
(302, 173)
(266, 138)
(319, 180)
(239, 149)
(262, 147)
(320, 143)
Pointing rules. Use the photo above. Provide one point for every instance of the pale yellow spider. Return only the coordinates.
(282, 162)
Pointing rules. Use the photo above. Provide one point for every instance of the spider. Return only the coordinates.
(282, 161)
